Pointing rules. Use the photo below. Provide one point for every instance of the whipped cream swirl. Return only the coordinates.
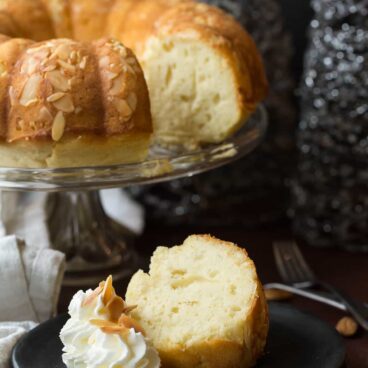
(88, 346)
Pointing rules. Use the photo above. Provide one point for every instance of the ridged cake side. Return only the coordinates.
(60, 90)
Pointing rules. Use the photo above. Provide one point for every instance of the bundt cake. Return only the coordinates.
(202, 305)
(70, 95)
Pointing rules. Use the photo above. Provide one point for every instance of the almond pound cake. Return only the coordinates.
(202, 305)
(67, 99)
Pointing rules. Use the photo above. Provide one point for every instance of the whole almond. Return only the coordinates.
(347, 327)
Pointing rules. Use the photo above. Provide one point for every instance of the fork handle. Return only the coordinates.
(356, 309)
(313, 295)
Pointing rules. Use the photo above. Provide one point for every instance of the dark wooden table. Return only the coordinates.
(346, 270)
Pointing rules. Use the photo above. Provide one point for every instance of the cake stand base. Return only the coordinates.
(95, 245)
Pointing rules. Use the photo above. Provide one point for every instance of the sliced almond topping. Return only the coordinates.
(13, 98)
(123, 108)
(33, 50)
(93, 295)
(56, 96)
(29, 67)
(30, 89)
(44, 114)
(111, 75)
(57, 80)
(74, 57)
(104, 62)
(131, 61)
(31, 102)
(132, 100)
(109, 327)
(49, 68)
(58, 127)
(130, 70)
(64, 103)
(108, 290)
(19, 125)
(66, 66)
(43, 54)
(119, 47)
(129, 308)
(129, 323)
(62, 51)
(71, 82)
(118, 86)
(83, 63)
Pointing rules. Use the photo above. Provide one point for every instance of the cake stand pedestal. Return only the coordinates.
(94, 244)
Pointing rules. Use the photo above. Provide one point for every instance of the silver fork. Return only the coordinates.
(295, 271)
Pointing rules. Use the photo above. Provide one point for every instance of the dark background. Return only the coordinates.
(297, 16)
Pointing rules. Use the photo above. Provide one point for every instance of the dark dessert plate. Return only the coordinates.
(296, 339)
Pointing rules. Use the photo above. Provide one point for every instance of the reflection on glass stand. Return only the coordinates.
(94, 244)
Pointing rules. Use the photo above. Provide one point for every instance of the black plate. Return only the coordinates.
(296, 340)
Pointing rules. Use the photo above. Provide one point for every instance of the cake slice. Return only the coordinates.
(202, 305)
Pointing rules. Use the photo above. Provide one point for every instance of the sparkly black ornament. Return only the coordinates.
(331, 192)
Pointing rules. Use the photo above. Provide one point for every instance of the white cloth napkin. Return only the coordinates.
(10, 333)
(30, 283)
(30, 272)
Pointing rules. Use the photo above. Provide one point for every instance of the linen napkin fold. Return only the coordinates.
(30, 283)
(10, 333)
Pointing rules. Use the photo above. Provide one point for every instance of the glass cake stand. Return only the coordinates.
(94, 244)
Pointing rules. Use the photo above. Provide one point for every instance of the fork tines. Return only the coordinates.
(291, 263)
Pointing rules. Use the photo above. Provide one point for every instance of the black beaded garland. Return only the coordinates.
(331, 191)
